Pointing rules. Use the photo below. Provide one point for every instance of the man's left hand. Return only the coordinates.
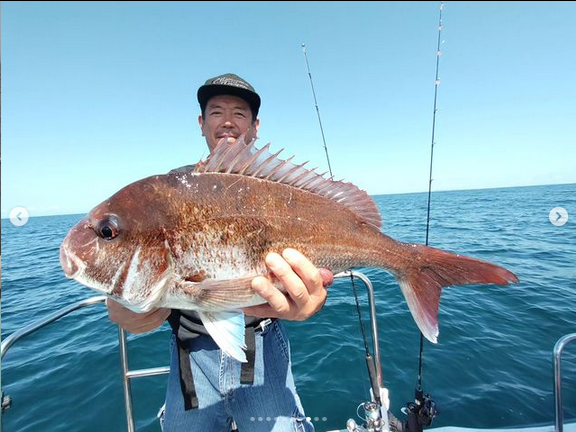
(305, 287)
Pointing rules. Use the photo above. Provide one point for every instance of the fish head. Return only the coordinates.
(121, 249)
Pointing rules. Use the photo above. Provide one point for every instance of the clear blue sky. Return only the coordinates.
(97, 95)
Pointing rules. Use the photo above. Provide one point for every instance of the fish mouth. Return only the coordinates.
(71, 264)
(75, 268)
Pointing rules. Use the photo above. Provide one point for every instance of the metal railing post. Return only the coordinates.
(558, 348)
(373, 322)
(126, 379)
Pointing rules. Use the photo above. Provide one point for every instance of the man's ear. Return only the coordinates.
(201, 123)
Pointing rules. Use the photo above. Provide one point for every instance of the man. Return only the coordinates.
(207, 389)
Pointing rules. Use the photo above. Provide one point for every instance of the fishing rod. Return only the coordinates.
(423, 410)
(375, 421)
(317, 110)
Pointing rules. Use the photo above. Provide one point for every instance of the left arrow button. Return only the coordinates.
(19, 216)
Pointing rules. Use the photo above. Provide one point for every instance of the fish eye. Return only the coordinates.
(107, 228)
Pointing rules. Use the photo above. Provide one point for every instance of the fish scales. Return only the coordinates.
(260, 216)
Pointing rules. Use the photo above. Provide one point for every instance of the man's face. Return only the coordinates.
(227, 117)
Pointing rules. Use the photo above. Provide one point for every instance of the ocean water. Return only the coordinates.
(492, 366)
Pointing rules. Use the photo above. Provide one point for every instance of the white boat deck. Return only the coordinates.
(568, 427)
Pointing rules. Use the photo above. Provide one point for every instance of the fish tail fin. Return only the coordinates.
(430, 270)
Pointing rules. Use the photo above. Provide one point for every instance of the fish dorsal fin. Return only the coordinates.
(246, 159)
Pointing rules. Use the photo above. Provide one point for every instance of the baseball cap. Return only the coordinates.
(229, 84)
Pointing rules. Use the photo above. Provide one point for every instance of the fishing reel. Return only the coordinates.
(6, 401)
(373, 417)
(420, 413)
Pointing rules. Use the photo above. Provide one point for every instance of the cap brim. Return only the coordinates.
(206, 92)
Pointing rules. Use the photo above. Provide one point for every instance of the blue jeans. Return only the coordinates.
(269, 404)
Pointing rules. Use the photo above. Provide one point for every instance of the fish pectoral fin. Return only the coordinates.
(227, 330)
(215, 294)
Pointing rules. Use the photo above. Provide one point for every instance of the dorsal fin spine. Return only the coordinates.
(217, 162)
(278, 167)
(263, 165)
(284, 178)
(302, 176)
(322, 186)
(308, 184)
(251, 160)
(239, 158)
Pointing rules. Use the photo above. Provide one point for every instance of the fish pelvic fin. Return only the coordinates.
(432, 269)
(227, 330)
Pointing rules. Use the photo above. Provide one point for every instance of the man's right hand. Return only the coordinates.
(136, 322)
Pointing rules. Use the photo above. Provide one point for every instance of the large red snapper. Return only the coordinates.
(195, 240)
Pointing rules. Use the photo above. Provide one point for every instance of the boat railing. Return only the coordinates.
(558, 348)
(31, 328)
(128, 375)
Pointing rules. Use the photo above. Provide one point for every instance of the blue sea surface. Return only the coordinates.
(492, 366)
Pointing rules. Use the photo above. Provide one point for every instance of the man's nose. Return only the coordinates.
(228, 118)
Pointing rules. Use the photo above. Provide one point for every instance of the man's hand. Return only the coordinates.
(136, 322)
(305, 286)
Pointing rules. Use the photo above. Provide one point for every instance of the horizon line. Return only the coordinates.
(374, 195)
